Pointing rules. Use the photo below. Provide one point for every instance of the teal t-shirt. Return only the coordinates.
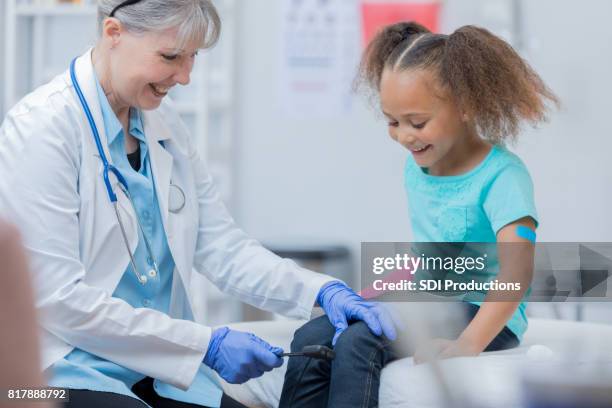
(472, 207)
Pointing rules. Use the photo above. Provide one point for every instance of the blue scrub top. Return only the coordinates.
(472, 207)
(82, 370)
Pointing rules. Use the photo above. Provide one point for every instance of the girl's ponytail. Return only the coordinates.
(381, 48)
(492, 84)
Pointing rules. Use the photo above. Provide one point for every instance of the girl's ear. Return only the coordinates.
(467, 114)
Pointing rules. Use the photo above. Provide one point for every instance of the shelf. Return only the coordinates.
(56, 10)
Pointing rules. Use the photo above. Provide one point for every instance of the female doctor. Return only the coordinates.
(117, 210)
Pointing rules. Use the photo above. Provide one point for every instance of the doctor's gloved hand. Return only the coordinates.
(238, 356)
(342, 305)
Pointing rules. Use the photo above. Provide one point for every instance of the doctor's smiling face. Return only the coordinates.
(138, 69)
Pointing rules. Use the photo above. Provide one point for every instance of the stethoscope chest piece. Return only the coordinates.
(176, 198)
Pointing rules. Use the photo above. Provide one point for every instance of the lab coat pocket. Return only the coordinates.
(183, 227)
(452, 222)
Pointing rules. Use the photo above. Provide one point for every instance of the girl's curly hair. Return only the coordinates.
(481, 72)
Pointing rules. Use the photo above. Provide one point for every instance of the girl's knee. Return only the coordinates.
(358, 335)
(318, 331)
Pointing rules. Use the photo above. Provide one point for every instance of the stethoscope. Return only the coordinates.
(176, 194)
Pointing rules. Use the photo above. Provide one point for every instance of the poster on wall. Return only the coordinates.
(377, 14)
(319, 55)
(321, 45)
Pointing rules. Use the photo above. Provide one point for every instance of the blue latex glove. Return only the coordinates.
(238, 356)
(342, 304)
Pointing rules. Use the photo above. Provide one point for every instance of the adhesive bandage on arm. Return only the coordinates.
(525, 233)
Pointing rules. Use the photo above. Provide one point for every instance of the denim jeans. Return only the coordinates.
(352, 379)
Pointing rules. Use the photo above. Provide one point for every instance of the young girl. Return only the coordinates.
(452, 101)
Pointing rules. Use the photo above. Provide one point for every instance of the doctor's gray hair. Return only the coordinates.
(197, 21)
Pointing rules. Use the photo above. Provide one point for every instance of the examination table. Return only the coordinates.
(491, 379)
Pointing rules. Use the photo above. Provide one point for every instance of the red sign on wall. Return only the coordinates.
(375, 15)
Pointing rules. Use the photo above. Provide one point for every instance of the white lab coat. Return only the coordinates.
(51, 187)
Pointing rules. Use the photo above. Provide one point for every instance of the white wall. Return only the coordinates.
(342, 179)
(572, 159)
(570, 45)
(2, 22)
(310, 180)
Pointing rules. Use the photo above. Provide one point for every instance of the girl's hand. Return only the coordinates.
(460, 348)
(431, 350)
(444, 348)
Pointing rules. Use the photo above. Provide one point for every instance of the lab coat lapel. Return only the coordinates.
(85, 74)
(87, 81)
(157, 131)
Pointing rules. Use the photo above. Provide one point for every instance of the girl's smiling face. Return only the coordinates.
(425, 121)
